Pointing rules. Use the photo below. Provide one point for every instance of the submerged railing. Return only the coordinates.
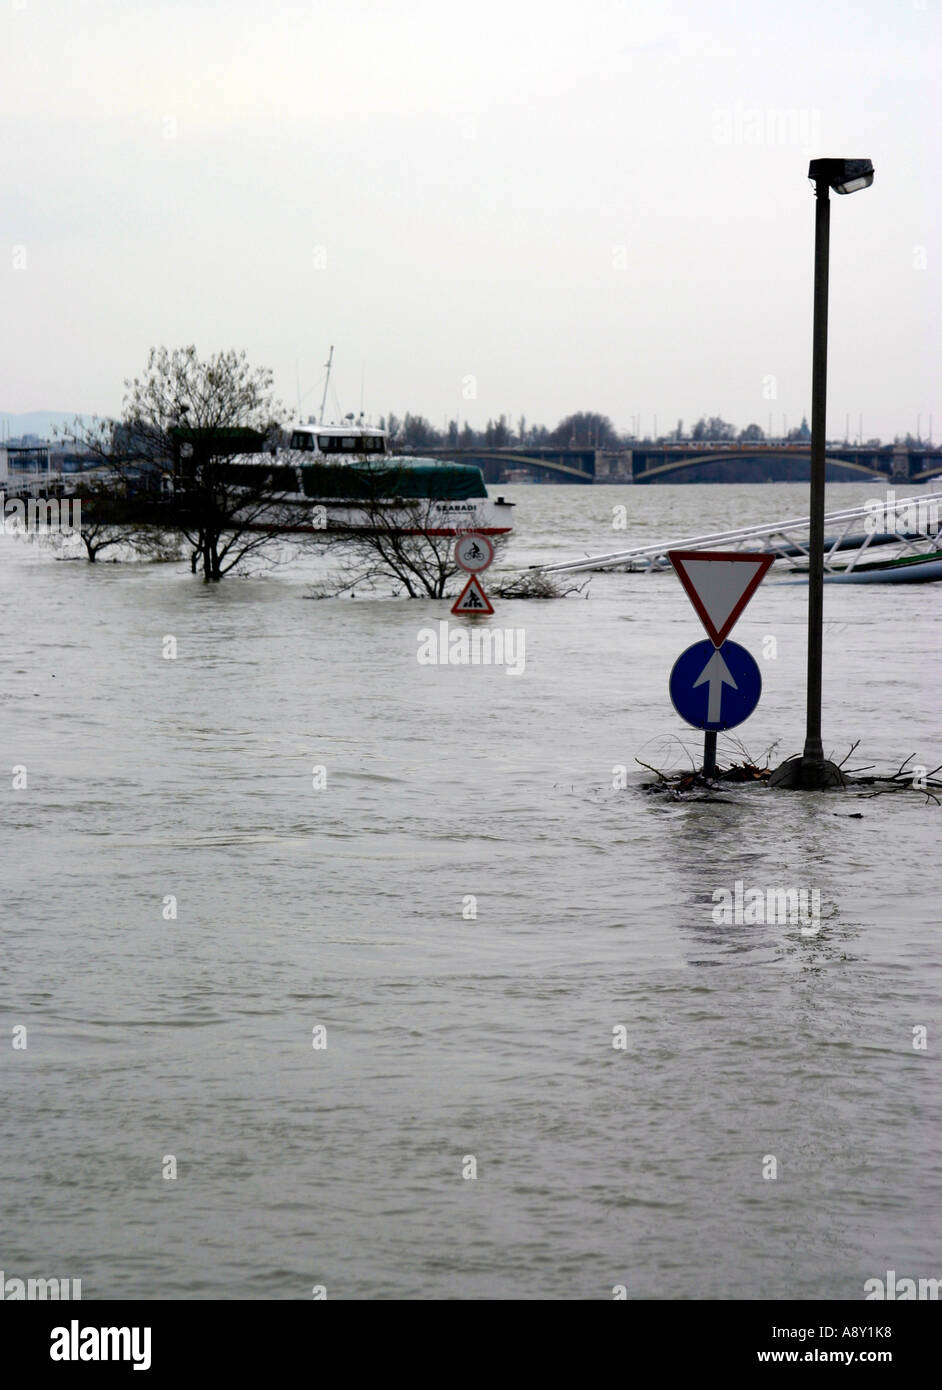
(788, 540)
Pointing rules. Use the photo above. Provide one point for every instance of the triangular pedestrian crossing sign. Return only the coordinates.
(472, 599)
(719, 584)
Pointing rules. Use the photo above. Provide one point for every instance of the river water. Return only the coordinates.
(325, 815)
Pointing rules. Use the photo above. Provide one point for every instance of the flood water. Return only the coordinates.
(324, 815)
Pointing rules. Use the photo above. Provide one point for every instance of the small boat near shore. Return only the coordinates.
(903, 569)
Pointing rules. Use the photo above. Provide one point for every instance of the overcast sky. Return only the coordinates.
(528, 208)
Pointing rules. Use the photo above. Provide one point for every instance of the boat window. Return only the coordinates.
(300, 439)
(351, 443)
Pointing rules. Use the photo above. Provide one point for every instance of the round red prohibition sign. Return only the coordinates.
(473, 553)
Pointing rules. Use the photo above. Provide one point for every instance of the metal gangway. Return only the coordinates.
(910, 523)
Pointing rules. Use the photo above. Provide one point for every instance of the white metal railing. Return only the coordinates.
(778, 537)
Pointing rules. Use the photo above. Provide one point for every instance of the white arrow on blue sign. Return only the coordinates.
(715, 687)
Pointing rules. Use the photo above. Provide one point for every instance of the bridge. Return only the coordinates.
(693, 461)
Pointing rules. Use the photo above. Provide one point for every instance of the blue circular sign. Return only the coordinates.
(715, 687)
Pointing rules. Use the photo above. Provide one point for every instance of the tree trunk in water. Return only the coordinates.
(211, 568)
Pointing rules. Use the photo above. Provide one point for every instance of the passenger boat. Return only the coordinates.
(346, 477)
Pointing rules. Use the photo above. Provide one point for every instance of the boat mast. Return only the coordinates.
(326, 384)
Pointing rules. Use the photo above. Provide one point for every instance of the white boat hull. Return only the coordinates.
(483, 515)
(433, 518)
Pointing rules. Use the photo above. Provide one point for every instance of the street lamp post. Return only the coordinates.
(812, 771)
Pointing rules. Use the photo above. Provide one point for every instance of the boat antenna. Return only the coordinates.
(326, 384)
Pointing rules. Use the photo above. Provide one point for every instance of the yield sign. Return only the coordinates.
(719, 584)
(472, 599)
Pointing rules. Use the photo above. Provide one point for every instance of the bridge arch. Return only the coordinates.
(505, 458)
(664, 470)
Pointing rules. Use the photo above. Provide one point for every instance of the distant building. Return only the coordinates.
(29, 466)
(21, 464)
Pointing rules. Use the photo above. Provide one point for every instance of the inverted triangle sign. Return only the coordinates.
(719, 584)
(472, 599)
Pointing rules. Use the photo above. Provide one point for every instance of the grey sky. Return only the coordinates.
(594, 206)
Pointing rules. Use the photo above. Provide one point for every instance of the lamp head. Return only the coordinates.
(843, 175)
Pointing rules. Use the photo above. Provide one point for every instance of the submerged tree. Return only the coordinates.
(168, 464)
(104, 491)
(106, 520)
(394, 544)
(189, 418)
(387, 536)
